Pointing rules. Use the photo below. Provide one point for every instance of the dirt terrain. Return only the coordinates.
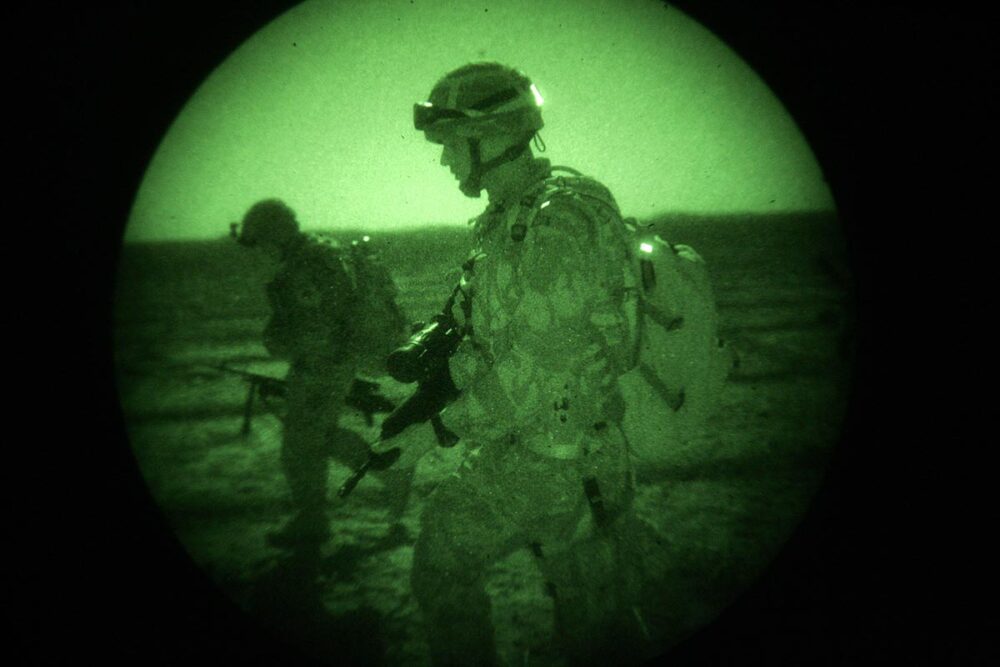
(716, 515)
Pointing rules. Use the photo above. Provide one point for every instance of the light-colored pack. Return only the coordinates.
(681, 363)
(678, 363)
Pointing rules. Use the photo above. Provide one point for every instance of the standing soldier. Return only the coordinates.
(333, 315)
(542, 307)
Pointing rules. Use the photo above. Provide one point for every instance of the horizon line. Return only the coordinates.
(417, 227)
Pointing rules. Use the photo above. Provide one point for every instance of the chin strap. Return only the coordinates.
(473, 185)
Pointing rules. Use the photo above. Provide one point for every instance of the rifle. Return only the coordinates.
(362, 395)
(424, 359)
(431, 396)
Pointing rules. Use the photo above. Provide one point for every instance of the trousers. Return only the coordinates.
(505, 497)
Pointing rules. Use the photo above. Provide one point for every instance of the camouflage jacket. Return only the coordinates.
(332, 302)
(544, 289)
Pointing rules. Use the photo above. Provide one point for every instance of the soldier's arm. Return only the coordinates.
(318, 300)
(276, 330)
(275, 338)
(559, 353)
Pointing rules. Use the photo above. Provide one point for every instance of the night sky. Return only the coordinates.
(316, 109)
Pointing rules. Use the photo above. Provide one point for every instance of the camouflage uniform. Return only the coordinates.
(333, 315)
(540, 413)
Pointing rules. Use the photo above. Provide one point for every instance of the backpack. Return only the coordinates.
(374, 323)
(677, 363)
(681, 364)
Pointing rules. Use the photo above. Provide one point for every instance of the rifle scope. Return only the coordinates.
(425, 350)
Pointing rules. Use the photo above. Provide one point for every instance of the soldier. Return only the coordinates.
(333, 315)
(542, 304)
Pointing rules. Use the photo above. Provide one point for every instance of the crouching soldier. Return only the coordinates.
(333, 316)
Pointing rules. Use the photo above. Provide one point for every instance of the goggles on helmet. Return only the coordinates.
(426, 114)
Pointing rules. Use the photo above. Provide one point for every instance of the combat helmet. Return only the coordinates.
(477, 101)
(269, 221)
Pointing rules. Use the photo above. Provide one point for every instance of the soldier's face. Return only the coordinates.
(455, 156)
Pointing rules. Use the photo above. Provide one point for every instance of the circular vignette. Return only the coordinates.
(820, 311)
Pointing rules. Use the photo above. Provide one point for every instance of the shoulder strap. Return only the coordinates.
(335, 252)
(520, 218)
(569, 169)
(584, 187)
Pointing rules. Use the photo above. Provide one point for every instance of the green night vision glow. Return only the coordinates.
(698, 132)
